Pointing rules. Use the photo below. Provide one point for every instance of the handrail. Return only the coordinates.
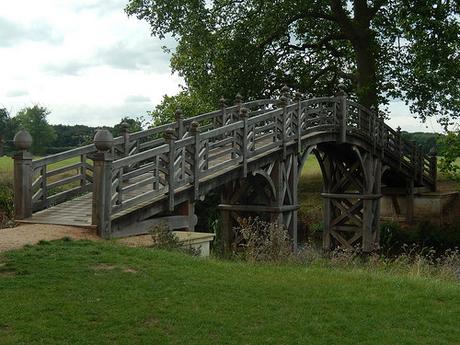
(227, 138)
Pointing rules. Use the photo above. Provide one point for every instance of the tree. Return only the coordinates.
(189, 103)
(134, 125)
(380, 49)
(33, 119)
(8, 128)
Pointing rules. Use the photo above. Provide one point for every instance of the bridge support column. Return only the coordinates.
(351, 198)
(269, 193)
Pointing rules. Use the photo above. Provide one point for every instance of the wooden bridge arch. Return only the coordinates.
(124, 185)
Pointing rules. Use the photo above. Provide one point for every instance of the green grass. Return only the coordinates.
(68, 292)
(309, 189)
(6, 168)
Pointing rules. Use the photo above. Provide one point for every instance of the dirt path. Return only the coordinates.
(18, 237)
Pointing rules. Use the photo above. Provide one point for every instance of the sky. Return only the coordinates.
(90, 64)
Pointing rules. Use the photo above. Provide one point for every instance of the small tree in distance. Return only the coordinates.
(34, 120)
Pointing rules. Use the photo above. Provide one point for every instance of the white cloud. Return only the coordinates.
(84, 60)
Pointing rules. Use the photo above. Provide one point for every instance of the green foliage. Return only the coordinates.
(134, 125)
(103, 293)
(393, 237)
(450, 152)
(189, 103)
(33, 119)
(6, 202)
(8, 128)
(380, 49)
(71, 136)
(425, 141)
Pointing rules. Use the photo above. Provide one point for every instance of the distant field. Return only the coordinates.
(6, 167)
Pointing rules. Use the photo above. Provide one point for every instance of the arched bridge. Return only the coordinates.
(252, 153)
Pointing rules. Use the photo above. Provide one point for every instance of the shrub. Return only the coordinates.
(164, 238)
(6, 203)
(264, 241)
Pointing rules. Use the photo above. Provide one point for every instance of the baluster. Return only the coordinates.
(298, 99)
(283, 101)
(342, 99)
(195, 132)
(44, 186)
(244, 113)
(238, 103)
(169, 138)
(414, 159)
(23, 175)
(398, 146)
(126, 138)
(119, 200)
(83, 170)
(180, 124)
(432, 156)
(223, 110)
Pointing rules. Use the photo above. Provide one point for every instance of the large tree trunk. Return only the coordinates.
(366, 88)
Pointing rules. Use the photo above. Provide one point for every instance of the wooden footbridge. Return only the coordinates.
(252, 153)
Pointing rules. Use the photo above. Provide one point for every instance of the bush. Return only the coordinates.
(6, 203)
(163, 238)
(424, 234)
(264, 241)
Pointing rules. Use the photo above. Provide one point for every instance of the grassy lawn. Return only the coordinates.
(69, 292)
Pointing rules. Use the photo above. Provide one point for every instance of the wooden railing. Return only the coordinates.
(159, 162)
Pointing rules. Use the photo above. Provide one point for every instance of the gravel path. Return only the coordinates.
(18, 237)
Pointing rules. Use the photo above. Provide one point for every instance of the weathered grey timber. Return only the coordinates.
(252, 152)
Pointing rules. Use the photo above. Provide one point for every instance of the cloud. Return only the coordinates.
(137, 99)
(145, 55)
(101, 7)
(16, 93)
(72, 68)
(12, 33)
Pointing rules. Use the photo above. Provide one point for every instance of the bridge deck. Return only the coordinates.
(77, 212)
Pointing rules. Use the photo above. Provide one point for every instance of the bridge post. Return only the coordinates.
(102, 183)
(398, 144)
(23, 175)
(169, 138)
(126, 139)
(433, 167)
(298, 99)
(283, 102)
(244, 113)
(342, 97)
(195, 132)
(223, 110)
(180, 130)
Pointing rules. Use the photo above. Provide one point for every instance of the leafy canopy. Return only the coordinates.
(34, 120)
(380, 49)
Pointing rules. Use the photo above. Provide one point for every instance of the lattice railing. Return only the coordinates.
(161, 161)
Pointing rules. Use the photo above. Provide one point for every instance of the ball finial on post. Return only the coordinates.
(238, 98)
(179, 114)
(22, 140)
(124, 126)
(222, 102)
(194, 127)
(103, 140)
(168, 134)
(244, 112)
(341, 90)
